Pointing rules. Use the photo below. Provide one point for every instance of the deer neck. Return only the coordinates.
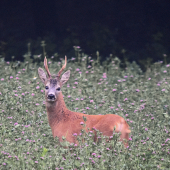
(56, 111)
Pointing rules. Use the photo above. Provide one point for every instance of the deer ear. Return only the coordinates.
(42, 75)
(65, 77)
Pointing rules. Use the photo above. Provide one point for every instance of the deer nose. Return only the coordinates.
(51, 96)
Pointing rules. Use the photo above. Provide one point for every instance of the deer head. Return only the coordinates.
(53, 85)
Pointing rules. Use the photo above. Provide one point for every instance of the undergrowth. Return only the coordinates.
(142, 99)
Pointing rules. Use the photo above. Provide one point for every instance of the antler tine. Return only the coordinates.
(64, 66)
(46, 67)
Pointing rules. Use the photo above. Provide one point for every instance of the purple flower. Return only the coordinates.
(15, 124)
(167, 139)
(114, 89)
(93, 161)
(104, 75)
(2, 79)
(94, 128)
(82, 164)
(77, 46)
(37, 87)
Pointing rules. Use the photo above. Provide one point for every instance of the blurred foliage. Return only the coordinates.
(99, 38)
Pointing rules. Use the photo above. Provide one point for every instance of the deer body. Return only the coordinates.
(64, 122)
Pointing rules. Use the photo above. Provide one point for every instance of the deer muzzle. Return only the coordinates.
(51, 96)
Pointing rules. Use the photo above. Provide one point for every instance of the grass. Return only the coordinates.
(143, 99)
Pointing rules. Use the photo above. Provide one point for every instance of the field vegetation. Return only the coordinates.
(141, 98)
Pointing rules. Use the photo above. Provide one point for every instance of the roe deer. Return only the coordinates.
(64, 122)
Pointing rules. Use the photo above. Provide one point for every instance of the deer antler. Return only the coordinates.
(46, 67)
(64, 66)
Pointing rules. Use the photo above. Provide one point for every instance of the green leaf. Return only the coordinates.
(44, 152)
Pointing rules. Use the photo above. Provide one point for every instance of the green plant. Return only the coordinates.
(141, 98)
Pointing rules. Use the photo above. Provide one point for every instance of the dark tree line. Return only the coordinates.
(139, 27)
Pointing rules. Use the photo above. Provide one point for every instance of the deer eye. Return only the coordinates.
(58, 89)
(46, 87)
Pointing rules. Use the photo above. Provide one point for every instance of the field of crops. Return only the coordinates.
(141, 98)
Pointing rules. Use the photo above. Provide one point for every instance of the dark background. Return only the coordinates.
(141, 27)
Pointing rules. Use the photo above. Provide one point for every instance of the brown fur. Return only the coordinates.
(64, 122)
